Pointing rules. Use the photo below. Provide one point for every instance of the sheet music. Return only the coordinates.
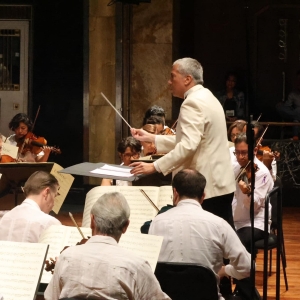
(91, 197)
(140, 208)
(65, 181)
(21, 266)
(143, 245)
(11, 150)
(165, 196)
(113, 171)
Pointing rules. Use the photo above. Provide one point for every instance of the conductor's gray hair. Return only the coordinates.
(190, 66)
(111, 212)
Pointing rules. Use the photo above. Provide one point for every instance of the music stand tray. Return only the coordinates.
(16, 173)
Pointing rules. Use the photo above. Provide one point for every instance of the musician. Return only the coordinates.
(21, 125)
(129, 148)
(193, 235)
(100, 269)
(158, 121)
(156, 111)
(26, 222)
(241, 203)
(200, 141)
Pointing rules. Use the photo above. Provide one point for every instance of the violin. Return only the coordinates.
(34, 144)
(6, 159)
(245, 176)
(50, 264)
(170, 131)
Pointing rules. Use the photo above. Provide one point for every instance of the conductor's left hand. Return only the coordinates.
(142, 168)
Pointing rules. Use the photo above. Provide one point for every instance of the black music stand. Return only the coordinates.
(14, 175)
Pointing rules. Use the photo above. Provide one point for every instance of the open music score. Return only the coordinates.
(140, 209)
(21, 268)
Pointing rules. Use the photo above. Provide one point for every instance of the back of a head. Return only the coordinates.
(190, 66)
(38, 181)
(111, 212)
(130, 142)
(189, 183)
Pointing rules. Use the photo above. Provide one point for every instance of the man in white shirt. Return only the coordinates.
(193, 235)
(26, 222)
(100, 269)
(200, 141)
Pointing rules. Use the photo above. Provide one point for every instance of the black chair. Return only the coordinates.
(186, 281)
(274, 239)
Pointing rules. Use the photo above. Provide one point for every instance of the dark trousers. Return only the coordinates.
(244, 234)
(220, 206)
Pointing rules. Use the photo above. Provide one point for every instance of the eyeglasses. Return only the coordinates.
(133, 155)
(234, 135)
(241, 153)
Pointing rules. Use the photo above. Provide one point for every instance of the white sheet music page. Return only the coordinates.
(21, 266)
(113, 171)
(145, 246)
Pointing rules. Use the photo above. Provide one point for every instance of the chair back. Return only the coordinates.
(276, 203)
(182, 281)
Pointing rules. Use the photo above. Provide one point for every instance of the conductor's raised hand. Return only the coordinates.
(142, 135)
(142, 168)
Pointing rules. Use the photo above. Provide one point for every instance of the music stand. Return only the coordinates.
(85, 168)
(15, 174)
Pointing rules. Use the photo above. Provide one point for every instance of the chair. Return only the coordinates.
(186, 281)
(274, 239)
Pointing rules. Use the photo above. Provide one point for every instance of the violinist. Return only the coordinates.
(22, 125)
(26, 222)
(129, 148)
(100, 269)
(241, 202)
(148, 147)
(158, 121)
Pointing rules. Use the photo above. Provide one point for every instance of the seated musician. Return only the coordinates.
(129, 148)
(100, 269)
(193, 235)
(21, 125)
(241, 202)
(26, 222)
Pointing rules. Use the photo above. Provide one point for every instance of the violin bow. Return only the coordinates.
(242, 171)
(258, 142)
(22, 147)
(75, 223)
(148, 198)
(174, 125)
(259, 117)
(115, 109)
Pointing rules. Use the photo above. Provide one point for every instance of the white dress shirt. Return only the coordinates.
(193, 235)
(101, 269)
(25, 223)
(241, 202)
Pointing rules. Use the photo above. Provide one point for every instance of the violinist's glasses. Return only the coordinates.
(132, 155)
(243, 153)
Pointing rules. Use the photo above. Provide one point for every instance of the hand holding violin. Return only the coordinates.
(245, 188)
